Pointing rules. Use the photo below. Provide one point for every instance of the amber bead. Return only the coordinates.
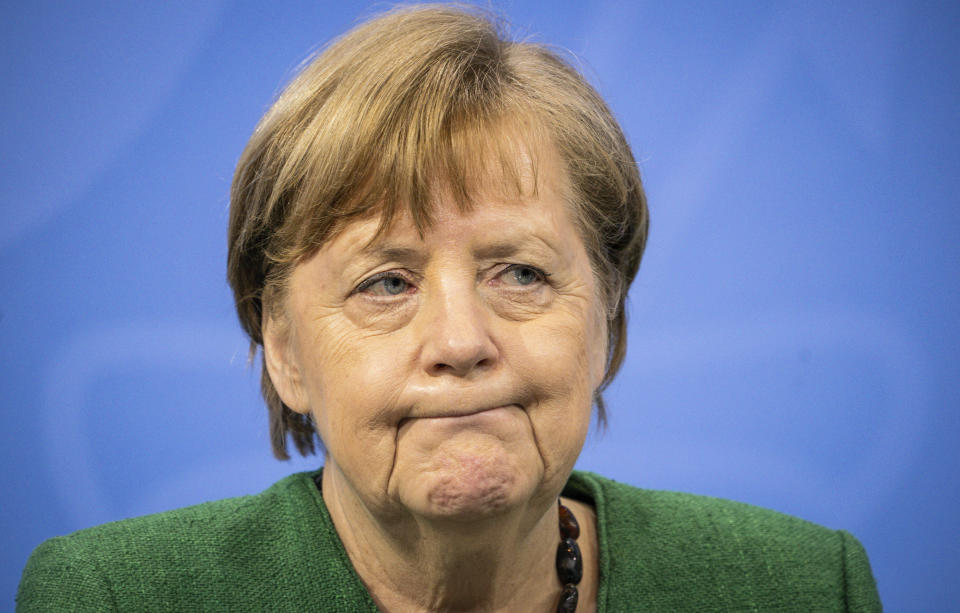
(569, 562)
(568, 599)
(569, 528)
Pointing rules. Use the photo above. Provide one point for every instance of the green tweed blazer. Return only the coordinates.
(278, 551)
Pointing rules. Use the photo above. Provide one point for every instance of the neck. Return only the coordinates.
(409, 563)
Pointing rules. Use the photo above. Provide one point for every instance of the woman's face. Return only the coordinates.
(449, 374)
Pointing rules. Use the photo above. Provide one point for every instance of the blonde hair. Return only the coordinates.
(418, 97)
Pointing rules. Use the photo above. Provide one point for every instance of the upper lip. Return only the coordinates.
(475, 411)
(458, 412)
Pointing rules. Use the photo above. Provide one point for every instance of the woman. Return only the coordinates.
(432, 234)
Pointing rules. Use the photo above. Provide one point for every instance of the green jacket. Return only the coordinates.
(278, 551)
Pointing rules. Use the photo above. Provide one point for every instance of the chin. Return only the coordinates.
(473, 488)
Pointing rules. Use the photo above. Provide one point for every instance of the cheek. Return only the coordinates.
(351, 382)
(557, 361)
(570, 350)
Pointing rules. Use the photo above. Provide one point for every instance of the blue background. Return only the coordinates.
(794, 327)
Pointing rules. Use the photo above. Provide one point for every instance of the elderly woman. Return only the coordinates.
(432, 234)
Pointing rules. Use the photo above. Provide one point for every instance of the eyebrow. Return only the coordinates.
(512, 245)
(502, 249)
(399, 254)
(496, 251)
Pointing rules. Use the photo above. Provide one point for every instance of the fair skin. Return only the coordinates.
(450, 376)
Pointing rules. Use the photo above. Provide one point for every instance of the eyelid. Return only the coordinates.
(507, 267)
(380, 276)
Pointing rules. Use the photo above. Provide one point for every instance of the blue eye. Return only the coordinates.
(519, 274)
(384, 284)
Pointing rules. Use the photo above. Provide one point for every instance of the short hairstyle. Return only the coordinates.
(420, 97)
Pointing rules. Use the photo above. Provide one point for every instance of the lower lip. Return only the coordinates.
(479, 418)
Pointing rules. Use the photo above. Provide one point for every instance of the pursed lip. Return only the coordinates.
(453, 414)
(477, 411)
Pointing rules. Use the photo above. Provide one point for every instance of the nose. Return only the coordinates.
(456, 334)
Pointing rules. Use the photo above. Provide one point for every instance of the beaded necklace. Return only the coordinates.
(569, 560)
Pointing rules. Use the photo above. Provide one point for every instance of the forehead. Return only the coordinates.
(493, 223)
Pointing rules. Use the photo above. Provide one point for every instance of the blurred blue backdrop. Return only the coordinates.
(794, 328)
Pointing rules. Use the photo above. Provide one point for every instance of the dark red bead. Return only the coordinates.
(569, 562)
(568, 599)
(569, 528)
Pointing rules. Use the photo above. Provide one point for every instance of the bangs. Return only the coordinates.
(410, 164)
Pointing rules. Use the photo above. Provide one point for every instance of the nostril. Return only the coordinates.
(461, 368)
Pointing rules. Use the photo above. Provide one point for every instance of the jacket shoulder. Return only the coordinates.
(690, 552)
(232, 553)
